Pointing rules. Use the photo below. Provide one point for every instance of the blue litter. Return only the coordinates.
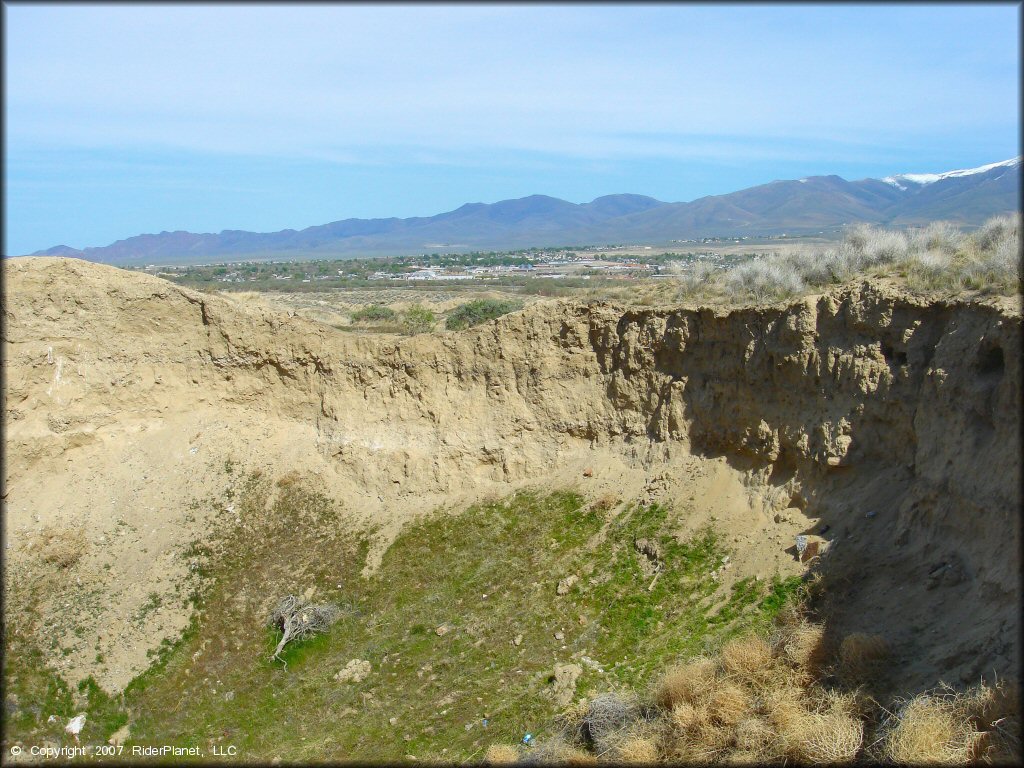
(527, 739)
(485, 721)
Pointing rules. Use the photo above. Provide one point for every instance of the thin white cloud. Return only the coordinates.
(336, 81)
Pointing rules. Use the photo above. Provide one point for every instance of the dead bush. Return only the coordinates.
(802, 645)
(747, 658)
(861, 657)
(685, 684)
(637, 750)
(296, 618)
(608, 718)
(931, 728)
(832, 738)
(729, 703)
(995, 711)
(755, 736)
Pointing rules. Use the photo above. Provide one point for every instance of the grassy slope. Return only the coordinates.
(217, 686)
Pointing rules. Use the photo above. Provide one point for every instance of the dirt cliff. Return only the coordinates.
(886, 425)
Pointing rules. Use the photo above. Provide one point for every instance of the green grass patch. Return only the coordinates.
(438, 624)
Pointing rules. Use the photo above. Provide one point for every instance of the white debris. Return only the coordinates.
(75, 724)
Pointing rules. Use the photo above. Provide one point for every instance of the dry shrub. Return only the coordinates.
(802, 644)
(605, 502)
(573, 720)
(743, 757)
(861, 657)
(755, 736)
(929, 729)
(689, 735)
(946, 727)
(609, 717)
(832, 737)
(995, 711)
(785, 708)
(729, 703)
(748, 658)
(702, 742)
(62, 547)
(501, 754)
(684, 716)
(558, 752)
(637, 749)
(685, 684)
(288, 478)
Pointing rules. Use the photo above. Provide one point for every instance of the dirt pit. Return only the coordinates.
(880, 427)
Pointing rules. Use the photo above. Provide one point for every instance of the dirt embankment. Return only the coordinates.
(886, 425)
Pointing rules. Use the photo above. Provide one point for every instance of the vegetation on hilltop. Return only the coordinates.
(479, 311)
(938, 257)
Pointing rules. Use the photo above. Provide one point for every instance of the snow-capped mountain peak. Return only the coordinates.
(930, 178)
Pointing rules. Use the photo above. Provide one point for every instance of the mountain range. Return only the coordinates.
(803, 206)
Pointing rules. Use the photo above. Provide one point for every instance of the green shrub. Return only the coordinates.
(374, 313)
(418, 319)
(479, 311)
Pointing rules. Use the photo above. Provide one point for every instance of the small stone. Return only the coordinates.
(559, 635)
(566, 584)
(392, 720)
(588, 472)
(517, 640)
(442, 630)
(355, 671)
(583, 620)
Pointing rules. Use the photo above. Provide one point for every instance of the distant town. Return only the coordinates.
(567, 263)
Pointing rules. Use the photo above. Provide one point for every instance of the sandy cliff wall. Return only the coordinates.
(894, 421)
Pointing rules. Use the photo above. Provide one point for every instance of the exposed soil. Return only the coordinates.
(883, 426)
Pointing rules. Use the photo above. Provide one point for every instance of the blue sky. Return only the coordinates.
(142, 118)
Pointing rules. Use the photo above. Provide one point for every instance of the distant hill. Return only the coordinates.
(965, 197)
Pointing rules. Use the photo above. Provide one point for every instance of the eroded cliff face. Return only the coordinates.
(891, 420)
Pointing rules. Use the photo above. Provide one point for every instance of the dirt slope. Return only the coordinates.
(892, 420)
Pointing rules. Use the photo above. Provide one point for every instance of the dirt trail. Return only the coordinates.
(891, 420)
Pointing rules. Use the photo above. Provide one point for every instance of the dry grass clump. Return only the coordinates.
(62, 547)
(802, 645)
(558, 752)
(638, 750)
(728, 703)
(862, 657)
(501, 754)
(930, 729)
(748, 658)
(947, 727)
(766, 701)
(686, 684)
(605, 502)
(833, 732)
